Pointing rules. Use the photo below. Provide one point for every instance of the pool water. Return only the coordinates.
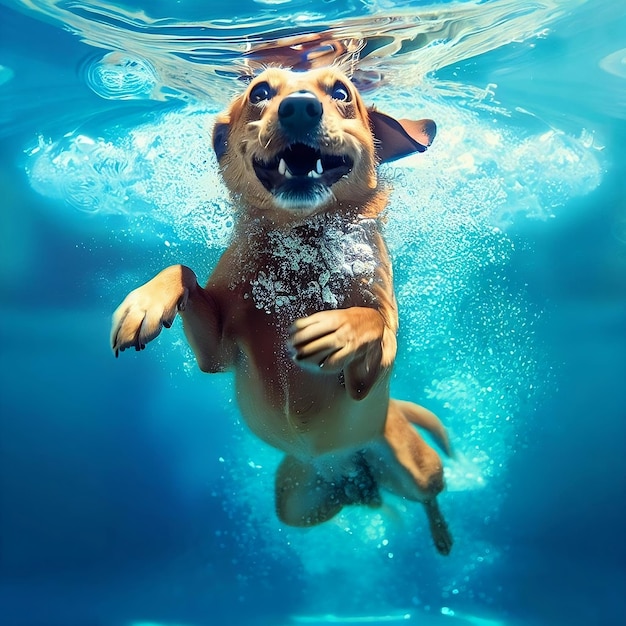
(131, 493)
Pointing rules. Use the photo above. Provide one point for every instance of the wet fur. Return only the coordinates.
(312, 376)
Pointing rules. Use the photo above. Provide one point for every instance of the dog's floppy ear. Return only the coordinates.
(223, 123)
(395, 139)
(220, 138)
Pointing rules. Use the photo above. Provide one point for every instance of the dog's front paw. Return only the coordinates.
(351, 339)
(147, 309)
(330, 339)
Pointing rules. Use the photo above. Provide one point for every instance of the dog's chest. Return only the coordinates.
(310, 268)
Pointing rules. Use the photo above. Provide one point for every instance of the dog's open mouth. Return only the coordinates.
(302, 174)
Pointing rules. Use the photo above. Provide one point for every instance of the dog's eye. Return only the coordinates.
(260, 92)
(340, 92)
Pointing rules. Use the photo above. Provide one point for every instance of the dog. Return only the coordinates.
(301, 304)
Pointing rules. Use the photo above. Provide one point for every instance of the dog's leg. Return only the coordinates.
(356, 340)
(422, 417)
(438, 527)
(303, 497)
(407, 466)
(154, 305)
(306, 496)
(145, 310)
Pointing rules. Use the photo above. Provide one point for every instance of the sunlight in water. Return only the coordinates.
(336, 619)
(6, 74)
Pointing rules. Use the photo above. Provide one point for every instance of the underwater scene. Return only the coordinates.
(132, 493)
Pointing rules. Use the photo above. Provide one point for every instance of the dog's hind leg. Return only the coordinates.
(303, 496)
(438, 526)
(406, 465)
(422, 417)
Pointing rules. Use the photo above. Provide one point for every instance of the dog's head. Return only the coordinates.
(297, 143)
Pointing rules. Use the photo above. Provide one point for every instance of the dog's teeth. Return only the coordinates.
(313, 174)
(318, 167)
(282, 167)
(287, 173)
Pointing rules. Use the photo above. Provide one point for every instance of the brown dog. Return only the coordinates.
(301, 304)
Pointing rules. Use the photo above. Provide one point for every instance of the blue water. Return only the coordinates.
(131, 494)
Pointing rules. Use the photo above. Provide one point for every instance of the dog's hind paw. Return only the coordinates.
(438, 527)
(443, 540)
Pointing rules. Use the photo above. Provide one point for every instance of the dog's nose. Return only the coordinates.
(300, 112)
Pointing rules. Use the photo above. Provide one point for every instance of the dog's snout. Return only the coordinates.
(300, 112)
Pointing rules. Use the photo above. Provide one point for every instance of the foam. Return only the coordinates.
(163, 170)
(344, 252)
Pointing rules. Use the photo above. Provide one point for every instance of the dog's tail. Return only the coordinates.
(427, 420)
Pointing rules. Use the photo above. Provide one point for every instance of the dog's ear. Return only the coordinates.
(223, 124)
(395, 139)
(220, 138)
